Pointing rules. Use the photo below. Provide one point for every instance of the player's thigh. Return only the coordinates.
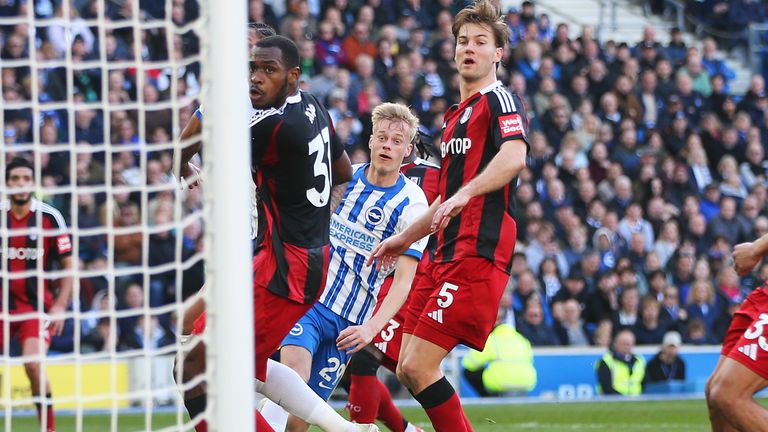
(328, 366)
(422, 288)
(34, 337)
(464, 307)
(738, 381)
(274, 318)
(297, 358)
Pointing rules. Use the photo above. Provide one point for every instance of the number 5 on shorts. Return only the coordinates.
(445, 299)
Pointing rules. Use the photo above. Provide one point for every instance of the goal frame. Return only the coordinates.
(227, 168)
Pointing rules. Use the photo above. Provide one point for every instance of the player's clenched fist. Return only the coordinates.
(745, 258)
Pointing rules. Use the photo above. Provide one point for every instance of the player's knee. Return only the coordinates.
(298, 364)
(364, 363)
(33, 370)
(408, 372)
(720, 395)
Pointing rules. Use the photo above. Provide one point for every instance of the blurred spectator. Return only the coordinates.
(629, 310)
(701, 305)
(570, 328)
(666, 366)
(505, 366)
(532, 325)
(619, 371)
(649, 330)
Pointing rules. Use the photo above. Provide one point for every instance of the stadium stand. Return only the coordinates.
(644, 170)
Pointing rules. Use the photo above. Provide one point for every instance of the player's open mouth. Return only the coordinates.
(256, 92)
(385, 157)
(469, 62)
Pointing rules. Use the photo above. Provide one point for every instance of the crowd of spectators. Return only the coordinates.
(644, 169)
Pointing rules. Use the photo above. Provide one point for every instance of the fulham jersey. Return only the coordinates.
(27, 245)
(473, 133)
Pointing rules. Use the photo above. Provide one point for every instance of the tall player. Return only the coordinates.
(743, 367)
(29, 242)
(195, 399)
(369, 398)
(484, 148)
(378, 202)
(296, 158)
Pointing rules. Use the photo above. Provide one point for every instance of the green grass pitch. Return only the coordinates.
(670, 416)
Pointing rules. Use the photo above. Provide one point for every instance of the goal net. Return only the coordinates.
(95, 94)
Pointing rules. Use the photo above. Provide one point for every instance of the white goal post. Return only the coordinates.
(231, 294)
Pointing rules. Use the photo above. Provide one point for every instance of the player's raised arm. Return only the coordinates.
(747, 255)
(193, 128)
(503, 168)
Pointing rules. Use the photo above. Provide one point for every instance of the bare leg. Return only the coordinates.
(730, 397)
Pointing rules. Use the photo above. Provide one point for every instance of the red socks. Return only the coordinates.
(443, 407)
(364, 398)
(261, 424)
(388, 412)
(50, 420)
(201, 426)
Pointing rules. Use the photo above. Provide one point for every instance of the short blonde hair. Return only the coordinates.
(396, 112)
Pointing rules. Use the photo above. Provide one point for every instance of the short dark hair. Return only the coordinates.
(265, 30)
(17, 162)
(286, 46)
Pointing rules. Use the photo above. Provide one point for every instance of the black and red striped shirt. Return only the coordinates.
(28, 243)
(425, 174)
(473, 133)
(293, 148)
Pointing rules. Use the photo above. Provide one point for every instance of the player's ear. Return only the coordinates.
(370, 141)
(408, 150)
(498, 55)
(293, 75)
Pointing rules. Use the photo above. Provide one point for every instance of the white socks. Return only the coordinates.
(286, 388)
(276, 416)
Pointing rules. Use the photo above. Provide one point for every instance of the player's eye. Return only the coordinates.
(269, 69)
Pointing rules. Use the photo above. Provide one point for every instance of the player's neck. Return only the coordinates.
(468, 88)
(380, 178)
(20, 210)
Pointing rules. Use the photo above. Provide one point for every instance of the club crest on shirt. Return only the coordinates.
(374, 215)
(467, 114)
(297, 330)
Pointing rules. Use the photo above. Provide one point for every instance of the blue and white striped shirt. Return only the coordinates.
(367, 215)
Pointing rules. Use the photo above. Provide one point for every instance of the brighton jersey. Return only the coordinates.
(367, 215)
(473, 133)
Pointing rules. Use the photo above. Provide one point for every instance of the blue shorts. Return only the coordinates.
(317, 331)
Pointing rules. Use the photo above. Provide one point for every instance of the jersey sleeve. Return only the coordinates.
(414, 210)
(508, 119)
(431, 184)
(60, 243)
(337, 148)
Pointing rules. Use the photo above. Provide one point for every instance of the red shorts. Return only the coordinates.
(457, 302)
(747, 338)
(25, 329)
(274, 316)
(390, 338)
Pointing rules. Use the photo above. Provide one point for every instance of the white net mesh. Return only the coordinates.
(93, 94)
